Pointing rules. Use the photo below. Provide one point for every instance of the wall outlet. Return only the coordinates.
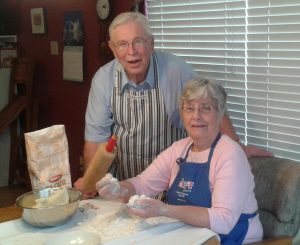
(54, 47)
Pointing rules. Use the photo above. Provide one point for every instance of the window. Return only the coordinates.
(253, 48)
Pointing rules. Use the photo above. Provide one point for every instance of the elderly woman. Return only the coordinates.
(207, 175)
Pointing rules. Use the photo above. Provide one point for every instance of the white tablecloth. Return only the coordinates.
(111, 222)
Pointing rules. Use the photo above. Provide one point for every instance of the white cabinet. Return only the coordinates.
(5, 41)
(5, 136)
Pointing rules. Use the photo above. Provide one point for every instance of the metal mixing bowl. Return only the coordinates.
(51, 216)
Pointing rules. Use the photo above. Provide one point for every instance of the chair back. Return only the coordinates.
(277, 190)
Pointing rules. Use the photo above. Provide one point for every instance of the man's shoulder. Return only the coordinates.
(172, 62)
(105, 73)
(108, 67)
(166, 56)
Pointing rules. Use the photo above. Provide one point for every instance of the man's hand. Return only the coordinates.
(85, 195)
(254, 151)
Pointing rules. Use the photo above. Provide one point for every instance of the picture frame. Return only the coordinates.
(38, 20)
(73, 28)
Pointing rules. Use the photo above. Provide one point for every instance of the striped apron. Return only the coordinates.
(141, 125)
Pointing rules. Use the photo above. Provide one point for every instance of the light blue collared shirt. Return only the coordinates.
(173, 72)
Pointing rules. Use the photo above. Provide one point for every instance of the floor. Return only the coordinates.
(8, 195)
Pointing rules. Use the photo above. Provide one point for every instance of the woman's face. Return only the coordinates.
(201, 119)
(133, 48)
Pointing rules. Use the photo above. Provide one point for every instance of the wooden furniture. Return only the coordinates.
(275, 241)
(20, 116)
(10, 213)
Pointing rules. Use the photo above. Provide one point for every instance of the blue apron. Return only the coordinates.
(182, 192)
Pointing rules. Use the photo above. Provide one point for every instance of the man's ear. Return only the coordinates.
(111, 46)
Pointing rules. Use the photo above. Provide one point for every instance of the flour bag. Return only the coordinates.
(48, 157)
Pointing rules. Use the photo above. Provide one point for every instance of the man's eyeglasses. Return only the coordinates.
(137, 43)
(204, 109)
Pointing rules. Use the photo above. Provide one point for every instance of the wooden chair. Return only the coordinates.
(20, 116)
(283, 240)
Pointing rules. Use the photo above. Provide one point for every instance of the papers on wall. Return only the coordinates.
(73, 63)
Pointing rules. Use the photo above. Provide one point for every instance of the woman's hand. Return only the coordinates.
(148, 208)
(109, 190)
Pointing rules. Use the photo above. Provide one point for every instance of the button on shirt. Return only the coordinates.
(173, 73)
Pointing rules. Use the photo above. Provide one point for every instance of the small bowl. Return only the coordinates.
(50, 216)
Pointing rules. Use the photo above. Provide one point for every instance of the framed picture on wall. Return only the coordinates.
(38, 20)
(73, 28)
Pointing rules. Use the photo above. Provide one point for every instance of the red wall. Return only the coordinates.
(62, 102)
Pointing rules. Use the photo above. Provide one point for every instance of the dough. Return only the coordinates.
(57, 198)
(134, 201)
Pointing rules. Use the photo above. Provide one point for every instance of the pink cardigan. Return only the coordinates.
(230, 178)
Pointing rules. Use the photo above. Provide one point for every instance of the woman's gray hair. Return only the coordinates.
(130, 16)
(202, 88)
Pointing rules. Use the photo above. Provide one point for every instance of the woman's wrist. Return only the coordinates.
(164, 210)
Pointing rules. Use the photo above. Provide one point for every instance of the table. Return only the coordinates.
(14, 226)
(10, 213)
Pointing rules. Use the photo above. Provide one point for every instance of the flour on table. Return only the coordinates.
(119, 224)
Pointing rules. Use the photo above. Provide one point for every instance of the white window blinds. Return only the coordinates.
(253, 48)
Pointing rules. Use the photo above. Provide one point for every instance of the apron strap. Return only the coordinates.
(180, 159)
(213, 147)
(118, 75)
(155, 71)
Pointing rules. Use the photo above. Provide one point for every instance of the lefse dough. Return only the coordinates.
(134, 201)
(58, 197)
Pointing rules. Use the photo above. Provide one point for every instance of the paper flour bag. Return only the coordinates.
(48, 157)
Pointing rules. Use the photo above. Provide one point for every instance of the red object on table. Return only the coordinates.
(111, 143)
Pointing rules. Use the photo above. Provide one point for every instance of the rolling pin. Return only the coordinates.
(99, 165)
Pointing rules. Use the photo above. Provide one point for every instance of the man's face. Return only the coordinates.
(133, 48)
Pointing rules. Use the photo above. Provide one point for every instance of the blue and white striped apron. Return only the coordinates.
(141, 125)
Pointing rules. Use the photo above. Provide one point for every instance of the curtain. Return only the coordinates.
(252, 47)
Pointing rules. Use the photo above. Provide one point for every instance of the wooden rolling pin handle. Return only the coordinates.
(99, 165)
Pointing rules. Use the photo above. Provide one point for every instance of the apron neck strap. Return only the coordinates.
(118, 74)
(212, 148)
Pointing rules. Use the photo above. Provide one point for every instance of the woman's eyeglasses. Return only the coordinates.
(203, 108)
